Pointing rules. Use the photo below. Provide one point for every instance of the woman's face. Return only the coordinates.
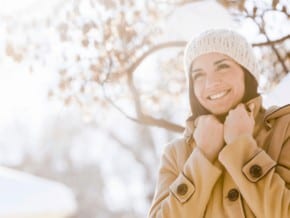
(218, 82)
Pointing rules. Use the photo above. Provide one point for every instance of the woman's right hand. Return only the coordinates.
(209, 136)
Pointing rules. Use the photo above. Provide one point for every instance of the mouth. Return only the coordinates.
(218, 95)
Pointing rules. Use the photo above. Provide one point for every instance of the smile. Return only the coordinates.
(218, 95)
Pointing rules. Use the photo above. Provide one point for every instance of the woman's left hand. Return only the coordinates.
(238, 122)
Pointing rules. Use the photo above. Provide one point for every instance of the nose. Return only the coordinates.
(212, 80)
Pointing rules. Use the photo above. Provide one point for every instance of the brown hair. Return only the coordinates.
(251, 91)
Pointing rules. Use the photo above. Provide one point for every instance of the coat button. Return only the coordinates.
(256, 171)
(233, 194)
(182, 189)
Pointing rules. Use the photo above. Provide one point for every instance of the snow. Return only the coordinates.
(25, 195)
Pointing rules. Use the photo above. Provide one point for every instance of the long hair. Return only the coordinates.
(251, 91)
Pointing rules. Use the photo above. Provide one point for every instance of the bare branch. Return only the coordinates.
(135, 64)
(177, 3)
(272, 42)
(272, 45)
(142, 118)
(125, 146)
(131, 70)
(154, 49)
(135, 94)
(148, 120)
(145, 119)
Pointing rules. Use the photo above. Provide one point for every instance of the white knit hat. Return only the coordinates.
(223, 41)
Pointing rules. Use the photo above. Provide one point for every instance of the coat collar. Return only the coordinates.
(255, 104)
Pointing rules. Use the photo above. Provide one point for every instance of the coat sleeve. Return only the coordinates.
(254, 172)
(185, 192)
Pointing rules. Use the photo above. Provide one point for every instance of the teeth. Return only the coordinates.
(219, 95)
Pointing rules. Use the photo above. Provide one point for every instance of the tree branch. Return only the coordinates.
(142, 118)
(131, 70)
(153, 49)
(271, 42)
(272, 45)
(149, 120)
(146, 119)
(177, 3)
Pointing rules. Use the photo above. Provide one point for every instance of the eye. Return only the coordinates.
(198, 75)
(222, 66)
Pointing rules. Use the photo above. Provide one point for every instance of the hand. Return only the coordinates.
(238, 122)
(209, 136)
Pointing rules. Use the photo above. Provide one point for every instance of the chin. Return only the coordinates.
(220, 113)
(220, 110)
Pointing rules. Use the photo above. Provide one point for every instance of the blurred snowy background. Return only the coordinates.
(92, 90)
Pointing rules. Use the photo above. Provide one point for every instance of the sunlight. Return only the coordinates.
(27, 8)
(71, 87)
(14, 6)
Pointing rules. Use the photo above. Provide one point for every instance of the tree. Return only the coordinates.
(102, 43)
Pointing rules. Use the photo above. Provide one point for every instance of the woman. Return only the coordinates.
(234, 158)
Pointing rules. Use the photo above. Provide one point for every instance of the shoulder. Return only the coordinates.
(178, 151)
(175, 146)
(274, 114)
(277, 121)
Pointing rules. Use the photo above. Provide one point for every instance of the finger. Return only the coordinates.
(196, 121)
(248, 108)
(251, 108)
(241, 106)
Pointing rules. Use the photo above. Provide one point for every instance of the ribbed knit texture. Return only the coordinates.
(223, 41)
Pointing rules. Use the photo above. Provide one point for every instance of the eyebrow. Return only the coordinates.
(215, 63)
(196, 70)
(219, 61)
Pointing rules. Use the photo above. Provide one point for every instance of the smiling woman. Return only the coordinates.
(219, 84)
(230, 162)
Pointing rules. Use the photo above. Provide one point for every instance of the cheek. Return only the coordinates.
(197, 91)
(242, 89)
(239, 85)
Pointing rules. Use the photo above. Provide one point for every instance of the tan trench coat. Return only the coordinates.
(250, 178)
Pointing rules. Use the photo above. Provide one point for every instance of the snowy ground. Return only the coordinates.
(28, 196)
